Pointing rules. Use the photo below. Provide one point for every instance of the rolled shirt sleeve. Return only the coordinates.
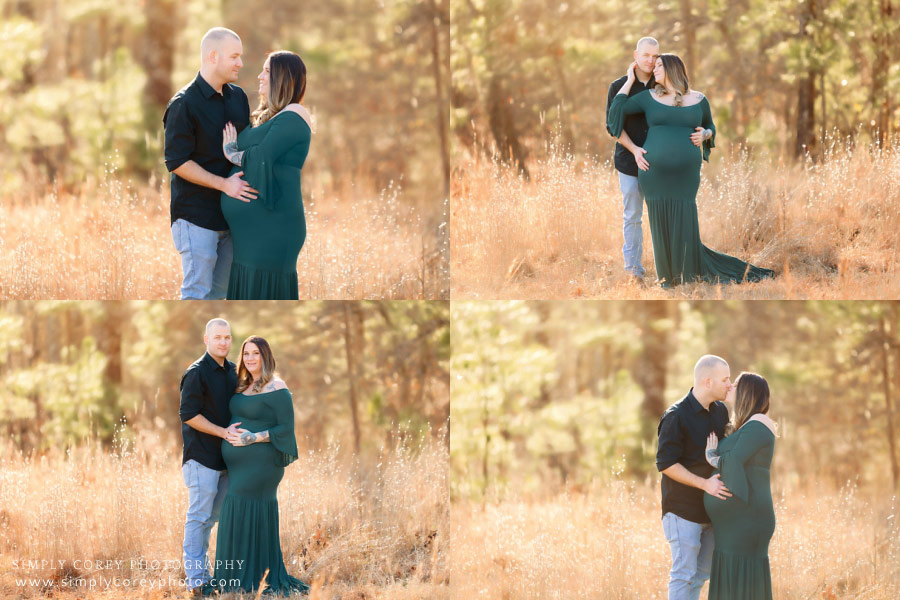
(671, 444)
(191, 395)
(180, 136)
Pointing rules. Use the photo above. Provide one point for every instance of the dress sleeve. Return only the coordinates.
(708, 124)
(614, 88)
(621, 106)
(732, 462)
(259, 159)
(281, 435)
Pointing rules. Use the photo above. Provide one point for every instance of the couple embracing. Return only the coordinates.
(664, 130)
(238, 431)
(236, 209)
(717, 510)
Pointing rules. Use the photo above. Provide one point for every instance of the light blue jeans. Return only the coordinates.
(206, 492)
(692, 547)
(205, 260)
(633, 203)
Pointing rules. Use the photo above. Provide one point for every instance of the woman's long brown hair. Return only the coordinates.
(287, 85)
(676, 73)
(268, 366)
(751, 398)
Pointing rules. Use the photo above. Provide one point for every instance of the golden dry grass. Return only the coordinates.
(830, 231)
(608, 543)
(363, 531)
(107, 241)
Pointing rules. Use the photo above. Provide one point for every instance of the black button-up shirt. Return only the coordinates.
(683, 430)
(206, 389)
(635, 125)
(194, 120)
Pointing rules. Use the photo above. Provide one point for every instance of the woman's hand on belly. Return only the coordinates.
(233, 433)
(247, 437)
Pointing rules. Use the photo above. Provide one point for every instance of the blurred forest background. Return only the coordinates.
(781, 75)
(364, 375)
(549, 396)
(805, 95)
(84, 85)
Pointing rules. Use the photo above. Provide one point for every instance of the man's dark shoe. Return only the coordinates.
(207, 589)
(638, 280)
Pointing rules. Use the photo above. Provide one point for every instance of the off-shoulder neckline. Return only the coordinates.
(697, 103)
(765, 421)
(263, 393)
(296, 113)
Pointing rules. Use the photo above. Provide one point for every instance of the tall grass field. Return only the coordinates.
(109, 524)
(830, 230)
(109, 241)
(607, 542)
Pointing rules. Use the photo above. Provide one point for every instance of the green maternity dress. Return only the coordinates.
(744, 523)
(269, 232)
(248, 522)
(670, 189)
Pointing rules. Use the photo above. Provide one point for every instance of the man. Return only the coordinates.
(206, 388)
(683, 430)
(629, 155)
(194, 120)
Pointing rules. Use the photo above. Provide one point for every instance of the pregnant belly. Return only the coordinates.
(252, 470)
(671, 149)
(284, 189)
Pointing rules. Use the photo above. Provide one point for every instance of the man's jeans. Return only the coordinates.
(206, 492)
(205, 260)
(633, 201)
(692, 547)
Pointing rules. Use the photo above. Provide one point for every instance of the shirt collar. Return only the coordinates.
(211, 362)
(208, 91)
(693, 403)
(650, 82)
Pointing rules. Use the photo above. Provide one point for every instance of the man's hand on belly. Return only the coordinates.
(642, 163)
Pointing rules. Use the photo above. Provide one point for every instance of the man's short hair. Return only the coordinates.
(706, 364)
(214, 36)
(216, 321)
(646, 40)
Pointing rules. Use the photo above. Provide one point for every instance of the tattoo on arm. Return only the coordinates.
(233, 154)
(254, 438)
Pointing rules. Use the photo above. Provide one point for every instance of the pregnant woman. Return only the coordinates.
(248, 540)
(269, 232)
(679, 119)
(744, 523)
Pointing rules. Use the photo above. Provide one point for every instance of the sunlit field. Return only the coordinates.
(829, 230)
(108, 241)
(376, 529)
(608, 543)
